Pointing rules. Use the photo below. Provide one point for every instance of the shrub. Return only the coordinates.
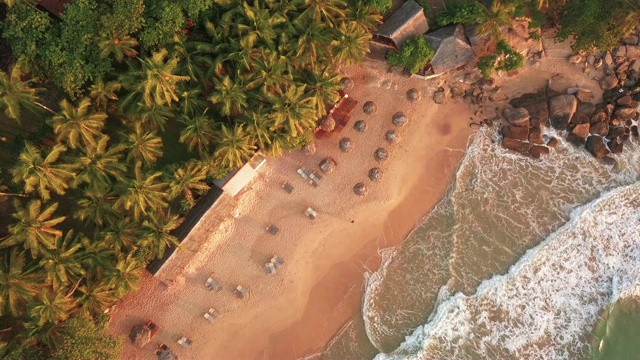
(413, 56)
(83, 339)
(425, 7)
(487, 65)
(506, 59)
(467, 13)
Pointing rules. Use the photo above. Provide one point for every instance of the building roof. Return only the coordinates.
(452, 48)
(56, 7)
(408, 21)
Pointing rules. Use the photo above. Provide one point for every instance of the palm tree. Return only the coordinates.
(17, 285)
(97, 206)
(12, 3)
(63, 265)
(293, 111)
(102, 92)
(124, 276)
(122, 236)
(96, 297)
(192, 58)
(143, 145)
(323, 89)
(117, 46)
(233, 146)
(493, 20)
(155, 79)
(230, 95)
(197, 133)
(258, 23)
(35, 228)
(363, 16)
(16, 94)
(51, 307)
(279, 143)
(272, 72)
(192, 102)
(154, 116)
(326, 11)
(351, 45)
(43, 174)
(258, 127)
(185, 179)
(99, 165)
(75, 124)
(313, 43)
(158, 229)
(143, 194)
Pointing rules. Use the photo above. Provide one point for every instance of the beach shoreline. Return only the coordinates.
(297, 311)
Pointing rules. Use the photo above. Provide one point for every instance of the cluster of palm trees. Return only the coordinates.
(94, 203)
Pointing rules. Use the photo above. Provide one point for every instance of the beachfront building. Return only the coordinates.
(408, 21)
(452, 49)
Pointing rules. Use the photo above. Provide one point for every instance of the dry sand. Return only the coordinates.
(296, 311)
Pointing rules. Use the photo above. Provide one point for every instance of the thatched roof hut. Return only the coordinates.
(414, 95)
(360, 189)
(381, 154)
(408, 21)
(347, 84)
(375, 174)
(391, 136)
(369, 107)
(399, 119)
(327, 123)
(360, 126)
(345, 145)
(452, 48)
(140, 335)
(328, 165)
(310, 148)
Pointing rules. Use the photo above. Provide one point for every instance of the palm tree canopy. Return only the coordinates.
(17, 285)
(63, 264)
(78, 124)
(16, 94)
(143, 194)
(143, 145)
(99, 165)
(233, 146)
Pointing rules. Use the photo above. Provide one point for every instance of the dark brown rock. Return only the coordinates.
(625, 100)
(581, 131)
(537, 106)
(536, 151)
(632, 52)
(615, 132)
(561, 109)
(624, 113)
(596, 146)
(599, 116)
(584, 96)
(535, 136)
(574, 139)
(553, 142)
(414, 95)
(615, 147)
(608, 82)
(583, 113)
(599, 128)
(622, 67)
(516, 132)
(634, 131)
(516, 145)
(609, 109)
(517, 117)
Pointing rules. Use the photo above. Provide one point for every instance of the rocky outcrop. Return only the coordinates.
(596, 146)
(517, 117)
(536, 151)
(516, 145)
(583, 113)
(561, 110)
(581, 131)
(516, 132)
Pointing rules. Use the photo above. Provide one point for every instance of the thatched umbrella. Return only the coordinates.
(369, 107)
(360, 126)
(381, 154)
(391, 136)
(167, 355)
(414, 95)
(360, 189)
(310, 148)
(375, 174)
(345, 144)
(347, 84)
(140, 335)
(328, 165)
(327, 123)
(399, 119)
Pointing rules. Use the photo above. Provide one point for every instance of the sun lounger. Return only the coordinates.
(277, 261)
(269, 268)
(184, 342)
(310, 213)
(210, 318)
(272, 229)
(211, 284)
(315, 178)
(213, 312)
(288, 188)
(241, 292)
(304, 173)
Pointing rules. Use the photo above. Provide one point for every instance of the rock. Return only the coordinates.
(516, 145)
(620, 51)
(414, 95)
(608, 70)
(599, 116)
(615, 132)
(591, 59)
(583, 113)
(369, 107)
(517, 117)
(599, 128)
(516, 132)
(622, 67)
(632, 52)
(391, 136)
(553, 142)
(498, 97)
(399, 119)
(625, 100)
(310, 148)
(535, 136)
(537, 56)
(574, 139)
(537, 106)
(381, 154)
(581, 131)
(624, 113)
(345, 145)
(584, 95)
(598, 63)
(635, 66)
(439, 97)
(457, 91)
(360, 189)
(615, 147)
(609, 108)
(470, 78)
(536, 151)
(375, 174)
(608, 82)
(621, 78)
(607, 59)
(634, 130)
(575, 59)
(328, 165)
(630, 40)
(596, 146)
(347, 84)
(561, 109)
(360, 126)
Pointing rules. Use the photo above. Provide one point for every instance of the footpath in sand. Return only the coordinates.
(297, 310)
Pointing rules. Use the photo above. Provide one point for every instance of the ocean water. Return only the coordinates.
(520, 260)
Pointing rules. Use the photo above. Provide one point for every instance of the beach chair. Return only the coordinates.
(240, 292)
(184, 342)
(269, 268)
(213, 312)
(210, 318)
(310, 213)
(276, 261)
(288, 188)
(272, 229)
(315, 178)
(304, 173)
(211, 284)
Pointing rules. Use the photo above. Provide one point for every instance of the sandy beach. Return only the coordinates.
(296, 311)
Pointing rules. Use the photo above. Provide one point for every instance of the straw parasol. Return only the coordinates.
(310, 148)
(360, 189)
(399, 119)
(328, 165)
(369, 107)
(140, 335)
(360, 126)
(375, 174)
(345, 144)
(327, 123)
(414, 95)
(347, 84)
(391, 136)
(381, 154)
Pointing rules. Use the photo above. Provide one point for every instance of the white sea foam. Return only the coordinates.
(550, 298)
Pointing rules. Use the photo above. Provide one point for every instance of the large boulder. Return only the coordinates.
(599, 128)
(561, 110)
(624, 113)
(599, 116)
(535, 136)
(517, 116)
(536, 105)
(596, 146)
(516, 132)
(583, 113)
(536, 151)
(608, 82)
(633, 52)
(581, 131)
(616, 147)
(516, 145)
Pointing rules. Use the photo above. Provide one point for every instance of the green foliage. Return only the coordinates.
(25, 29)
(414, 55)
(381, 6)
(507, 59)
(163, 19)
(537, 17)
(461, 13)
(83, 339)
(487, 65)
(425, 7)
